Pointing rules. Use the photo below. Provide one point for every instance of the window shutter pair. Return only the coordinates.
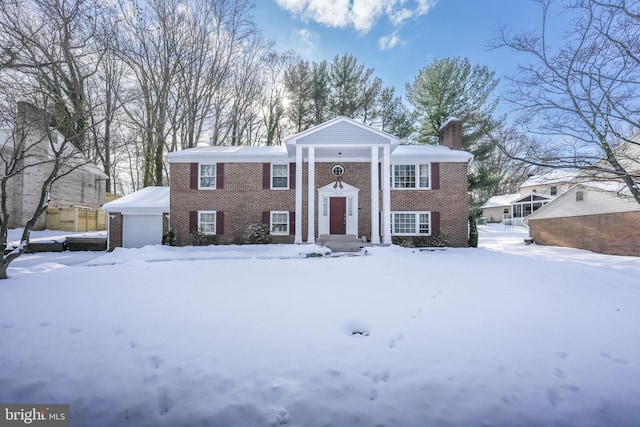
(266, 176)
(194, 176)
(193, 222)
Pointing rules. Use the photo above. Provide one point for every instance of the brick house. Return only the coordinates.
(600, 216)
(340, 179)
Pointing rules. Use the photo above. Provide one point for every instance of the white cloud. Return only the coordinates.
(389, 42)
(359, 14)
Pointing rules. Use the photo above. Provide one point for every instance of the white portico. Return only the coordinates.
(336, 203)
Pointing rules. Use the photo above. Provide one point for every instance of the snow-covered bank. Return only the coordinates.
(507, 334)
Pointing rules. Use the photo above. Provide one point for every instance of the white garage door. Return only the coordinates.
(141, 230)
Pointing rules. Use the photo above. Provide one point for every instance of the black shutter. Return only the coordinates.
(266, 217)
(220, 176)
(292, 223)
(219, 222)
(435, 223)
(193, 220)
(435, 176)
(266, 176)
(193, 175)
(292, 176)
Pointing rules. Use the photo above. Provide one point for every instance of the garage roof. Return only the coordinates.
(149, 200)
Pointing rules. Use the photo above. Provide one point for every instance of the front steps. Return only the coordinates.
(342, 242)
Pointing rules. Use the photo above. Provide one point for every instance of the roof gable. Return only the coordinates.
(341, 130)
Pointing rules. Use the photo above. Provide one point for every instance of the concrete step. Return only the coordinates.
(342, 243)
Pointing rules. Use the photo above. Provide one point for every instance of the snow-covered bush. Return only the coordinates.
(256, 234)
(198, 238)
(438, 240)
(169, 238)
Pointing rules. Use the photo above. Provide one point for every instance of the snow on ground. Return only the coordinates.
(506, 334)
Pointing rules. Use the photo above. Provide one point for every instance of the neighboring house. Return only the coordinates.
(597, 216)
(498, 208)
(535, 192)
(83, 187)
(340, 179)
(138, 219)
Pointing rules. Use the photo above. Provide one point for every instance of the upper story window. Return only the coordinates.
(554, 190)
(280, 176)
(411, 176)
(207, 175)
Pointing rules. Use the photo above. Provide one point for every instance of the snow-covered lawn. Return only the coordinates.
(506, 334)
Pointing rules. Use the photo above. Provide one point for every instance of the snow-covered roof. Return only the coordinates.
(239, 153)
(501, 201)
(261, 153)
(554, 177)
(449, 120)
(435, 152)
(149, 200)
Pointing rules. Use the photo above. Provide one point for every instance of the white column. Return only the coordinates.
(298, 238)
(386, 196)
(375, 195)
(311, 210)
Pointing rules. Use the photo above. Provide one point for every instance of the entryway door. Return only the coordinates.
(338, 215)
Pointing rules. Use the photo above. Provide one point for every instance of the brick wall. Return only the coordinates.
(615, 233)
(243, 200)
(115, 230)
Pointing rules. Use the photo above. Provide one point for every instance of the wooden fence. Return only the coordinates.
(76, 219)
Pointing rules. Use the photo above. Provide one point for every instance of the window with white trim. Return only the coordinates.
(411, 176)
(207, 222)
(280, 223)
(411, 223)
(280, 176)
(207, 175)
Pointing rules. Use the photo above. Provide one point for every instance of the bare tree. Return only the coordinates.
(35, 153)
(49, 45)
(582, 97)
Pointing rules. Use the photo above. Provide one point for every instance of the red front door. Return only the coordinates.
(338, 215)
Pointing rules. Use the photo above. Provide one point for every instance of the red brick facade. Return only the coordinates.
(243, 199)
(115, 230)
(613, 233)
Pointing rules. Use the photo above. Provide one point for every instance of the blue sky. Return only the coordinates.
(397, 37)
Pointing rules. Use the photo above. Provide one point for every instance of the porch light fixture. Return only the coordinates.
(338, 171)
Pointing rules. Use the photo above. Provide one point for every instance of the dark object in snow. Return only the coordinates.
(170, 238)
(528, 241)
(363, 333)
(86, 243)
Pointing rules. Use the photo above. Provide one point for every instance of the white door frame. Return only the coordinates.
(324, 210)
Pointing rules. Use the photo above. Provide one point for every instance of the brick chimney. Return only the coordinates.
(451, 133)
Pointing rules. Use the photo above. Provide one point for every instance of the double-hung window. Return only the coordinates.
(207, 175)
(280, 176)
(279, 223)
(207, 222)
(414, 176)
(411, 223)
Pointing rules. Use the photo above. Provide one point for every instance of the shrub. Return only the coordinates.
(256, 234)
(198, 238)
(438, 240)
(169, 238)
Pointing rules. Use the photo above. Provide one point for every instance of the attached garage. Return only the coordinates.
(141, 230)
(138, 219)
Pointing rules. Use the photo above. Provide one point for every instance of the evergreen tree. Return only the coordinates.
(452, 87)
